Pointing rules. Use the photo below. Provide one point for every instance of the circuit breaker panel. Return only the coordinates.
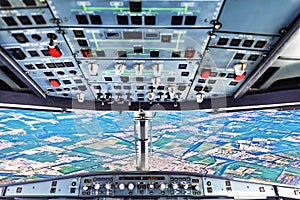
(118, 52)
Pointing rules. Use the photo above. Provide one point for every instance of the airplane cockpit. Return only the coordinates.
(149, 99)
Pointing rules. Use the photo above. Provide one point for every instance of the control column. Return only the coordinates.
(142, 118)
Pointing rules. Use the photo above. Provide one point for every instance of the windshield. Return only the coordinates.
(256, 145)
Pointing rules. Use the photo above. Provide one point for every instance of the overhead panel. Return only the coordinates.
(140, 80)
(141, 43)
(144, 51)
(227, 53)
(217, 76)
(15, 4)
(109, 50)
(54, 70)
(24, 14)
(196, 13)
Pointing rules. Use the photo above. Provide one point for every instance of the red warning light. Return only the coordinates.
(205, 73)
(87, 53)
(239, 78)
(54, 82)
(189, 53)
(54, 52)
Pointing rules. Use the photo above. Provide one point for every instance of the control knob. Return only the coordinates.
(85, 188)
(122, 186)
(108, 186)
(185, 186)
(151, 186)
(97, 186)
(175, 186)
(130, 186)
(162, 186)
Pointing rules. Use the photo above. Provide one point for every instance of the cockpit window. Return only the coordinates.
(256, 145)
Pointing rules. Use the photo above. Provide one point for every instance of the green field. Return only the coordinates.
(207, 160)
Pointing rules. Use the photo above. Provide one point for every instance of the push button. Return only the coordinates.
(54, 82)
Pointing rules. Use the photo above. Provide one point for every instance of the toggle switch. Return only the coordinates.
(150, 96)
(175, 102)
(171, 90)
(139, 69)
(239, 68)
(155, 82)
(129, 99)
(53, 49)
(93, 69)
(157, 69)
(80, 97)
(120, 68)
(200, 97)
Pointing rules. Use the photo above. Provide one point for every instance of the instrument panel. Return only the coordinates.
(149, 185)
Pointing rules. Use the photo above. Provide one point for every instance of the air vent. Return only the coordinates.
(266, 75)
(285, 84)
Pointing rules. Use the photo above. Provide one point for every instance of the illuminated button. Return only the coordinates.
(130, 186)
(54, 52)
(162, 186)
(239, 78)
(97, 186)
(108, 186)
(175, 186)
(85, 188)
(205, 73)
(189, 53)
(151, 186)
(54, 82)
(197, 187)
(122, 186)
(87, 53)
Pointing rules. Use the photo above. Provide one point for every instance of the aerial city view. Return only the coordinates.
(253, 145)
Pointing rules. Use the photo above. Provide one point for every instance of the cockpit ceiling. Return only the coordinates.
(149, 54)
